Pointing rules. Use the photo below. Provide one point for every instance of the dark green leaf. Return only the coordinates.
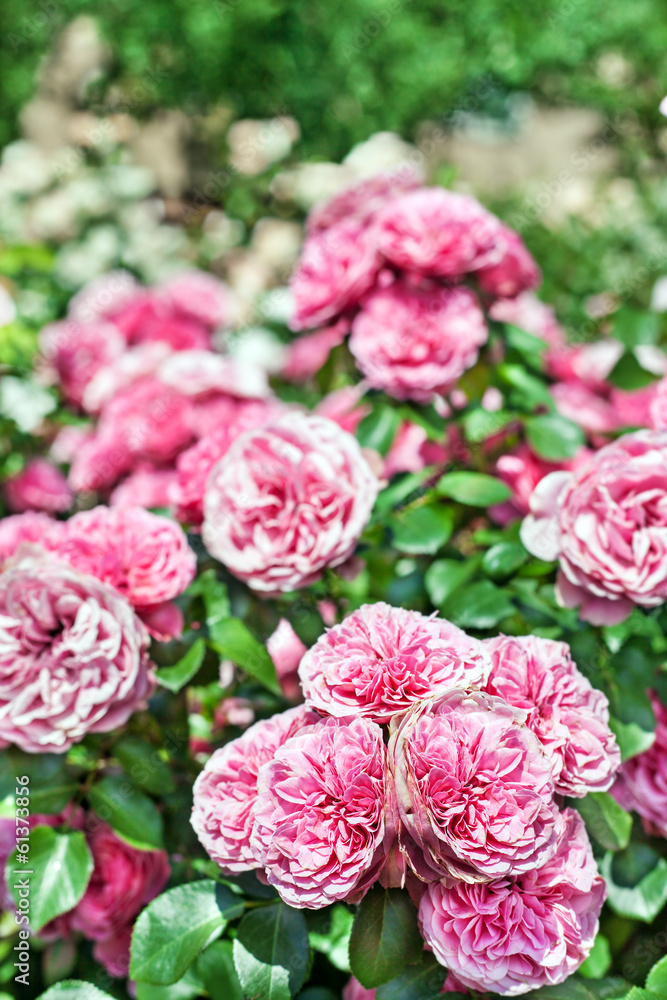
(445, 576)
(504, 559)
(235, 642)
(529, 391)
(421, 981)
(399, 491)
(628, 374)
(74, 989)
(424, 529)
(177, 676)
(636, 881)
(174, 928)
(215, 597)
(143, 764)
(475, 489)
(553, 437)
(305, 618)
(378, 429)
(606, 820)
(385, 936)
(481, 606)
(574, 988)
(271, 952)
(530, 347)
(51, 784)
(633, 327)
(216, 967)
(61, 864)
(132, 815)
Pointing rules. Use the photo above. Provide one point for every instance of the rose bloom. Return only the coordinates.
(39, 486)
(588, 363)
(438, 232)
(73, 657)
(286, 650)
(134, 365)
(510, 936)
(145, 487)
(286, 501)
(514, 273)
(532, 315)
(320, 813)
(200, 296)
(345, 407)
(522, 470)
(474, 788)
(605, 523)
(103, 296)
(306, 355)
(31, 527)
(336, 268)
(72, 353)
(414, 342)
(642, 783)
(658, 407)
(585, 407)
(149, 317)
(567, 714)
(381, 660)
(226, 790)
(362, 201)
(124, 880)
(144, 556)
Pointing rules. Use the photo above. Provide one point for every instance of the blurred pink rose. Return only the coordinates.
(362, 201)
(634, 408)
(438, 232)
(102, 296)
(72, 353)
(658, 407)
(353, 990)
(200, 373)
(286, 650)
(133, 365)
(642, 782)
(412, 450)
(199, 296)
(569, 716)
(286, 501)
(114, 953)
(532, 315)
(414, 342)
(225, 792)
(344, 407)
(145, 487)
(588, 363)
(514, 273)
(603, 571)
(73, 657)
(149, 317)
(474, 789)
(320, 814)
(381, 660)
(30, 527)
(584, 407)
(336, 267)
(144, 556)
(39, 486)
(510, 936)
(522, 470)
(307, 354)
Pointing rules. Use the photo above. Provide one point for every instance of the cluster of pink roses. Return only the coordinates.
(427, 758)
(392, 262)
(77, 601)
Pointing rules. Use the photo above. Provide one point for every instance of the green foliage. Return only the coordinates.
(271, 952)
(385, 937)
(60, 866)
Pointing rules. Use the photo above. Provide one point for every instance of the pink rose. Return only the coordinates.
(592, 412)
(362, 201)
(642, 783)
(286, 650)
(606, 571)
(199, 296)
(286, 501)
(39, 486)
(199, 373)
(530, 314)
(438, 232)
(72, 353)
(514, 273)
(381, 660)
(103, 296)
(474, 789)
(569, 716)
(144, 556)
(412, 450)
(588, 363)
(353, 990)
(522, 470)
(114, 953)
(414, 342)
(344, 407)
(30, 527)
(149, 317)
(658, 407)
(133, 365)
(145, 487)
(124, 880)
(320, 813)
(73, 657)
(307, 354)
(336, 268)
(510, 936)
(225, 792)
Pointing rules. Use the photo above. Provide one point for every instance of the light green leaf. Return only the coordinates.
(605, 820)
(636, 882)
(235, 642)
(553, 437)
(378, 429)
(61, 864)
(481, 606)
(475, 489)
(74, 989)
(424, 529)
(177, 676)
(445, 576)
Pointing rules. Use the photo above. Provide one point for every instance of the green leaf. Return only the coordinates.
(271, 952)
(529, 391)
(51, 784)
(634, 327)
(216, 967)
(631, 737)
(657, 977)
(418, 530)
(143, 764)
(611, 988)
(475, 489)
(378, 429)
(605, 820)
(215, 597)
(636, 881)
(399, 491)
(385, 936)
(628, 373)
(530, 347)
(173, 929)
(445, 576)
(553, 437)
(74, 989)
(61, 864)
(421, 981)
(599, 960)
(177, 676)
(481, 606)
(187, 988)
(305, 618)
(504, 559)
(336, 944)
(480, 424)
(132, 815)
(235, 642)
